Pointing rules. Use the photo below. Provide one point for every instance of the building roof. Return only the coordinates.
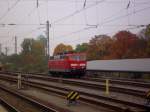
(125, 65)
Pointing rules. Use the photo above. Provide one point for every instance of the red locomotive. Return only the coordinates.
(68, 65)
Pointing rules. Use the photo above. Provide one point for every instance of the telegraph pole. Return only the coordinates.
(47, 33)
(15, 45)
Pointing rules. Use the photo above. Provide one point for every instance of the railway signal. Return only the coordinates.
(72, 97)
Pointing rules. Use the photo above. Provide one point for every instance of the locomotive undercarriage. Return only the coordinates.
(73, 73)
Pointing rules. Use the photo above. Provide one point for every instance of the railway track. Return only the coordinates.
(132, 88)
(8, 106)
(99, 86)
(128, 87)
(87, 77)
(120, 81)
(18, 102)
(104, 101)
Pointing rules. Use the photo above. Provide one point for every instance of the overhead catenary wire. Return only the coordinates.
(60, 18)
(88, 28)
(78, 31)
(114, 19)
(127, 9)
(76, 12)
(82, 9)
(9, 9)
(31, 31)
(38, 16)
(85, 14)
(107, 21)
(23, 24)
(110, 33)
(125, 15)
(40, 24)
(97, 14)
(81, 1)
(47, 15)
(84, 5)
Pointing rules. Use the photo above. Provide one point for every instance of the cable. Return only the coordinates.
(125, 15)
(84, 5)
(76, 12)
(127, 9)
(82, 9)
(97, 15)
(81, 1)
(83, 29)
(33, 10)
(114, 19)
(21, 24)
(38, 14)
(47, 9)
(9, 9)
(31, 31)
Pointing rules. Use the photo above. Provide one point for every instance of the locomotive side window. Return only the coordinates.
(78, 57)
(82, 57)
(57, 57)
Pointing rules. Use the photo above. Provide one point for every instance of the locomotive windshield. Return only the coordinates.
(78, 57)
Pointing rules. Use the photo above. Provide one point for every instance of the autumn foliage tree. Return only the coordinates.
(99, 47)
(124, 45)
(62, 48)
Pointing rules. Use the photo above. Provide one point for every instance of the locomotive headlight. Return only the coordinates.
(82, 64)
(73, 64)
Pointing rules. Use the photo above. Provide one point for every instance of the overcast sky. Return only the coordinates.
(72, 21)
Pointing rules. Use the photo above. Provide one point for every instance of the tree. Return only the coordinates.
(144, 36)
(26, 46)
(33, 55)
(43, 40)
(81, 47)
(62, 48)
(124, 45)
(98, 47)
(147, 37)
(147, 32)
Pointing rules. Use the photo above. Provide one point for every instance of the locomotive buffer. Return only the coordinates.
(72, 97)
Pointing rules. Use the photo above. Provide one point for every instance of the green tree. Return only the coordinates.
(144, 36)
(147, 35)
(33, 55)
(81, 47)
(43, 40)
